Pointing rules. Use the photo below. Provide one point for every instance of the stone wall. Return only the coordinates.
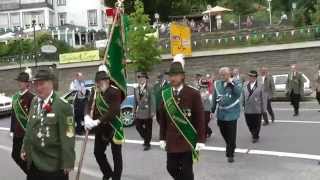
(278, 62)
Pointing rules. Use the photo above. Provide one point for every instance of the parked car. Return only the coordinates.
(280, 82)
(5, 105)
(127, 106)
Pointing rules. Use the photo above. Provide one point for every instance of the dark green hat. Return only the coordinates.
(253, 73)
(23, 77)
(43, 75)
(175, 68)
(101, 75)
(142, 75)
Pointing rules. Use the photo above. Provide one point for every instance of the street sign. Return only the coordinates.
(48, 49)
(180, 38)
(101, 43)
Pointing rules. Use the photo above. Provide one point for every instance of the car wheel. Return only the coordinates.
(127, 117)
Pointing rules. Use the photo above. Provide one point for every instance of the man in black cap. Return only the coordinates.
(144, 109)
(19, 117)
(48, 145)
(99, 119)
(182, 124)
(254, 103)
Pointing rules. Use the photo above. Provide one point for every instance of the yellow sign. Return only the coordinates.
(84, 56)
(180, 37)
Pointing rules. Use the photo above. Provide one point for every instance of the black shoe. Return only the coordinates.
(230, 159)
(255, 140)
(147, 148)
(272, 120)
(105, 178)
(296, 114)
(265, 123)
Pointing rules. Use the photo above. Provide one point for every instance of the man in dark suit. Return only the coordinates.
(19, 117)
(181, 110)
(157, 89)
(295, 88)
(101, 121)
(266, 80)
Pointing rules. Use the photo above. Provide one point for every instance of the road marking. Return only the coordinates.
(217, 149)
(298, 122)
(4, 129)
(291, 109)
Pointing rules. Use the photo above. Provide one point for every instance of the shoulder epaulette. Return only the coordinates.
(64, 100)
(192, 87)
(114, 87)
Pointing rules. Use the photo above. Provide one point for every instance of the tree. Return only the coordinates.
(142, 50)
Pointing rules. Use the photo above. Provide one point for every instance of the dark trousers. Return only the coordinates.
(228, 130)
(36, 174)
(180, 165)
(158, 116)
(254, 124)
(100, 146)
(318, 96)
(16, 151)
(270, 111)
(79, 105)
(207, 119)
(144, 128)
(295, 101)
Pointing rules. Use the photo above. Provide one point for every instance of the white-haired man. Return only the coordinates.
(226, 99)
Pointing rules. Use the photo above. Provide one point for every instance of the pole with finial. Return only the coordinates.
(119, 6)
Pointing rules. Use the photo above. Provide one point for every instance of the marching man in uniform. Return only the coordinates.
(144, 110)
(226, 99)
(19, 117)
(104, 105)
(48, 145)
(182, 124)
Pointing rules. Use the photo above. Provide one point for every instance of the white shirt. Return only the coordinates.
(46, 101)
(263, 79)
(252, 85)
(178, 90)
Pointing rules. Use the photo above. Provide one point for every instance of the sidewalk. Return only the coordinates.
(220, 52)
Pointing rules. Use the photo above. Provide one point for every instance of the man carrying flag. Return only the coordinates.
(104, 104)
(19, 117)
(182, 125)
(105, 120)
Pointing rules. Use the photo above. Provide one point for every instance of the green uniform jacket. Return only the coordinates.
(57, 152)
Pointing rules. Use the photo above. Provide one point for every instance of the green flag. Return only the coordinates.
(116, 62)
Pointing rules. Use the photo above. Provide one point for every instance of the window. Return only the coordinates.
(61, 2)
(62, 19)
(92, 18)
(15, 20)
(281, 79)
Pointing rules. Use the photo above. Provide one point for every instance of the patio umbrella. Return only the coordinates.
(215, 10)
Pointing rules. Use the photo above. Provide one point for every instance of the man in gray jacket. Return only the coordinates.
(254, 105)
(295, 88)
(266, 80)
(144, 110)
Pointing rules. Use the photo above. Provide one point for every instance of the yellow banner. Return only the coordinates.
(84, 56)
(180, 38)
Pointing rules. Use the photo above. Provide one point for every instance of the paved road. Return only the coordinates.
(289, 149)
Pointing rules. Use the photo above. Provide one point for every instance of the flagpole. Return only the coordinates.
(84, 145)
(118, 11)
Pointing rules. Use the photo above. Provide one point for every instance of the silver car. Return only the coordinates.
(5, 105)
(280, 82)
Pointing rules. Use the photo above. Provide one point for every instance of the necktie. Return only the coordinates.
(176, 93)
(40, 106)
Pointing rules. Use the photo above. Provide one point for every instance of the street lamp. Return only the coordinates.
(270, 11)
(34, 42)
(294, 7)
(157, 17)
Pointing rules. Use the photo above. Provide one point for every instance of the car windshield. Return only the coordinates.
(281, 80)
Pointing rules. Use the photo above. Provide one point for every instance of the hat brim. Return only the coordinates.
(252, 75)
(174, 73)
(21, 80)
(41, 79)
